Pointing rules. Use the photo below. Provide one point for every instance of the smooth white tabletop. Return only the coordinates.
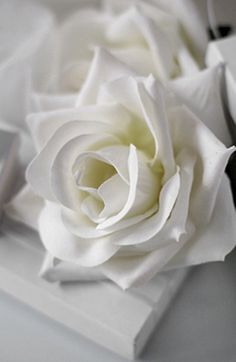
(200, 326)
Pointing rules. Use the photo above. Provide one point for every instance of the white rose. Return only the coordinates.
(145, 36)
(133, 181)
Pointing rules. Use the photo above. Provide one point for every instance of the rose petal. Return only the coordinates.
(176, 224)
(65, 246)
(217, 239)
(115, 155)
(153, 107)
(38, 172)
(61, 176)
(104, 68)
(92, 208)
(159, 45)
(212, 160)
(143, 190)
(127, 272)
(187, 63)
(49, 102)
(80, 225)
(201, 93)
(150, 227)
(65, 271)
(87, 24)
(114, 193)
(25, 207)
(125, 223)
(44, 124)
(137, 58)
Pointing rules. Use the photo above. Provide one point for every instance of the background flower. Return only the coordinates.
(148, 36)
(27, 61)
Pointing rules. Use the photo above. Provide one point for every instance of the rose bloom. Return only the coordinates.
(146, 36)
(130, 180)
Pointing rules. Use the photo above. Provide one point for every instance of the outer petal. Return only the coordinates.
(201, 93)
(217, 239)
(48, 102)
(189, 16)
(148, 228)
(188, 131)
(127, 272)
(137, 58)
(159, 44)
(178, 222)
(132, 26)
(79, 33)
(64, 271)
(187, 63)
(156, 118)
(63, 245)
(25, 207)
(104, 68)
(38, 172)
(43, 125)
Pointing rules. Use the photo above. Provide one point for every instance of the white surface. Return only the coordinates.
(200, 326)
(121, 321)
(223, 51)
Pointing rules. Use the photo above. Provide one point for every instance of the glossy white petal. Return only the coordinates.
(188, 14)
(61, 175)
(159, 45)
(48, 102)
(25, 207)
(80, 225)
(202, 94)
(114, 193)
(153, 108)
(148, 228)
(176, 225)
(89, 26)
(38, 172)
(65, 246)
(137, 58)
(212, 158)
(217, 239)
(135, 271)
(117, 229)
(115, 155)
(65, 271)
(143, 190)
(43, 125)
(187, 63)
(104, 68)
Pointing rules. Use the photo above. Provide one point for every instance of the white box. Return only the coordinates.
(121, 321)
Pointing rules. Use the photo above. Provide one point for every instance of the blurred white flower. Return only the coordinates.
(147, 36)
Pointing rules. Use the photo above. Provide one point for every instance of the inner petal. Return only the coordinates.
(114, 193)
(92, 172)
